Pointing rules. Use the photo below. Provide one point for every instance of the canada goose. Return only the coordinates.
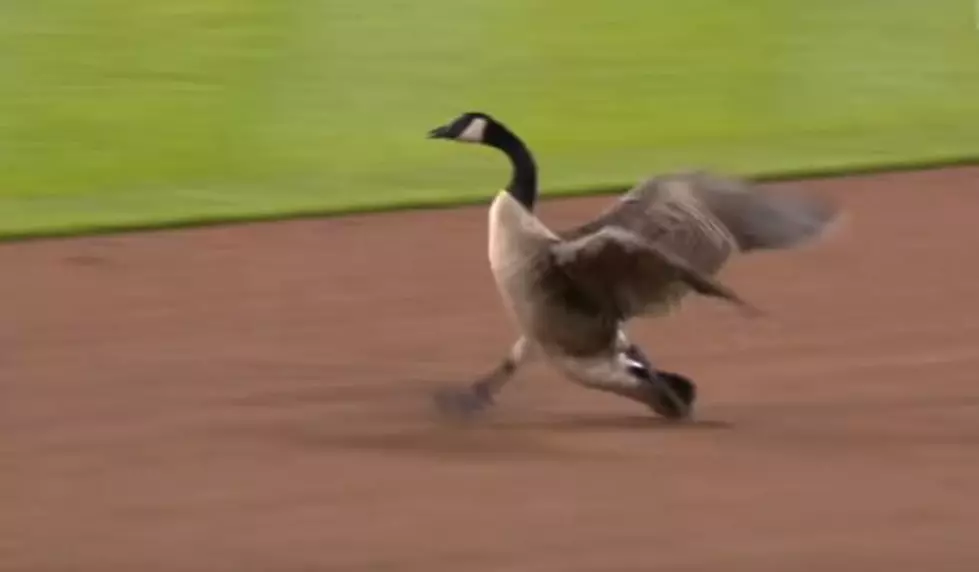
(572, 293)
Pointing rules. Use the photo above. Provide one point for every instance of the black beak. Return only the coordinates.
(441, 132)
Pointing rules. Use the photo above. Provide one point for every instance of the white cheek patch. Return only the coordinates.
(473, 132)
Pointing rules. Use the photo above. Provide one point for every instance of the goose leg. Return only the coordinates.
(669, 394)
(629, 373)
(479, 395)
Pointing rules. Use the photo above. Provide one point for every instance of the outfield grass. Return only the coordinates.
(123, 112)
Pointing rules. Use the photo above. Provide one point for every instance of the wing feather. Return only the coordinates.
(757, 219)
(631, 273)
(677, 230)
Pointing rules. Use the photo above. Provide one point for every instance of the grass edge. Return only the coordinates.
(448, 202)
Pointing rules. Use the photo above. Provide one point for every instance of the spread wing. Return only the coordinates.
(758, 219)
(665, 231)
(621, 269)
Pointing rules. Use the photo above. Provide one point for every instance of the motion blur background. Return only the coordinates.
(122, 112)
(256, 398)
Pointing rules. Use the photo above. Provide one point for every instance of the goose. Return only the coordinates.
(572, 293)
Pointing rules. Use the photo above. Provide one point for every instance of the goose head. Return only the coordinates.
(471, 127)
(482, 129)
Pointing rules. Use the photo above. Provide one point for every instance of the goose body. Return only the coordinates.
(540, 298)
(571, 293)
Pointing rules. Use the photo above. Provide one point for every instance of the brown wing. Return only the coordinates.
(678, 229)
(756, 218)
(628, 273)
(663, 211)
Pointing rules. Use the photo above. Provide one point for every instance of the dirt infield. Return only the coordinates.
(255, 398)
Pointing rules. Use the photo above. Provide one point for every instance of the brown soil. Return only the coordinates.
(256, 398)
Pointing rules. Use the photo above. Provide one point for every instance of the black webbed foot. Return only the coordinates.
(683, 389)
(462, 402)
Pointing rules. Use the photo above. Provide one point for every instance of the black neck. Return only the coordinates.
(523, 182)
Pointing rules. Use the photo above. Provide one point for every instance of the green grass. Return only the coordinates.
(127, 112)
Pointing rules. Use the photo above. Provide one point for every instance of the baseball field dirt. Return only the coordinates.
(256, 398)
